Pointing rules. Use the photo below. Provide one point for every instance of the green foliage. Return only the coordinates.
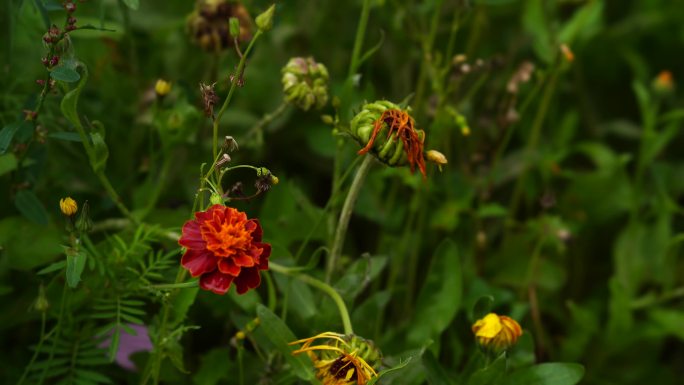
(560, 206)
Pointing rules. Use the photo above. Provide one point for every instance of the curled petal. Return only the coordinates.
(265, 253)
(257, 232)
(216, 281)
(198, 261)
(226, 266)
(192, 237)
(243, 259)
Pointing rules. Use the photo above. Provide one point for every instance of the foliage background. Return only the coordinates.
(574, 229)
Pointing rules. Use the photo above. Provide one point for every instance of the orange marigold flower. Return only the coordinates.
(224, 247)
(496, 333)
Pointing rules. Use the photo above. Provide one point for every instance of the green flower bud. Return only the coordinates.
(265, 21)
(388, 133)
(305, 83)
(234, 24)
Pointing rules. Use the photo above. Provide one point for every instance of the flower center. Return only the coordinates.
(343, 369)
(225, 233)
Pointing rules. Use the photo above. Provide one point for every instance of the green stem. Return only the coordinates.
(159, 185)
(358, 41)
(171, 286)
(345, 215)
(533, 140)
(309, 280)
(258, 128)
(233, 86)
(650, 300)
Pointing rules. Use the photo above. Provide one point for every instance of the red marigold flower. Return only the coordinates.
(224, 247)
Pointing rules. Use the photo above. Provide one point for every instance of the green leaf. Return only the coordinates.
(31, 207)
(8, 162)
(435, 373)
(554, 373)
(53, 267)
(490, 375)
(280, 335)
(22, 249)
(43, 12)
(132, 4)
(440, 297)
(100, 147)
(76, 260)
(180, 304)
(6, 135)
(482, 307)
(401, 365)
(70, 101)
(65, 74)
(535, 22)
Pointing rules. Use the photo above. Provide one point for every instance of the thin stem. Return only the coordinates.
(358, 41)
(258, 128)
(170, 286)
(233, 86)
(345, 215)
(341, 306)
(535, 134)
(58, 329)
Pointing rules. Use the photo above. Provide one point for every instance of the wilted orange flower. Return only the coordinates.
(402, 125)
(224, 247)
(496, 333)
(342, 359)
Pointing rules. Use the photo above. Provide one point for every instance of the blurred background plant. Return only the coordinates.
(560, 205)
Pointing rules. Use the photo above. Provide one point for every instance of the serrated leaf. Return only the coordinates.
(440, 296)
(65, 74)
(31, 207)
(280, 335)
(554, 373)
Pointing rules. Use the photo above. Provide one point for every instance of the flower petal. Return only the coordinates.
(244, 259)
(227, 266)
(258, 232)
(192, 237)
(265, 253)
(198, 261)
(216, 281)
(248, 279)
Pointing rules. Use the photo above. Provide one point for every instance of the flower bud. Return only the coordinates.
(388, 132)
(216, 199)
(305, 83)
(436, 157)
(84, 223)
(663, 84)
(68, 206)
(495, 333)
(41, 303)
(265, 21)
(234, 24)
(162, 88)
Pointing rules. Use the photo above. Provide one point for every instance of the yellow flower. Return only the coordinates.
(342, 359)
(68, 206)
(162, 87)
(664, 82)
(496, 333)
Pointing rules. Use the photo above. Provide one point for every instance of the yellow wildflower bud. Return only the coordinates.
(496, 333)
(436, 157)
(664, 82)
(68, 206)
(240, 335)
(162, 87)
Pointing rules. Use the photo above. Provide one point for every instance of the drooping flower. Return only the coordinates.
(305, 83)
(341, 359)
(224, 247)
(68, 206)
(388, 132)
(496, 333)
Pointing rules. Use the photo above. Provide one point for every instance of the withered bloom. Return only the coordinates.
(208, 24)
(209, 98)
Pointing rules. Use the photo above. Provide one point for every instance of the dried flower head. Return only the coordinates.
(209, 25)
(305, 83)
(68, 206)
(341, 359)
(495, 333)
(224, 247)
(209, 98)
(388, 132)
